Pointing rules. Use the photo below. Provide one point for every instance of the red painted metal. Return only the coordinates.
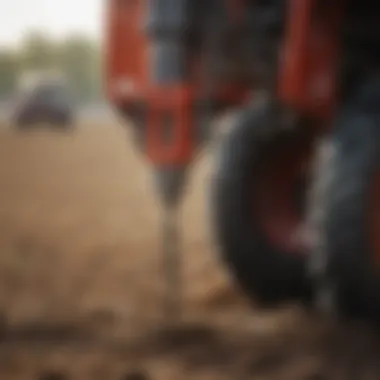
(236, 9)
(307, 70)
(310, 57)
(126, 56)
(126, 51)
(175, 103)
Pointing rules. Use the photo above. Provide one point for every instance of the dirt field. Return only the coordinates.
(80, 279)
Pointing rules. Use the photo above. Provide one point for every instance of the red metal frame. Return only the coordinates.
(310, 57)
(126, 54)
(236, 8)
(306, 81)
(126, 63)
(175, 102)
(126, 51)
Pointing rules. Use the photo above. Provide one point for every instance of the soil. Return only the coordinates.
(81, 284)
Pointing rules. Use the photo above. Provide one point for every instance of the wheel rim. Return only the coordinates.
(280, 196)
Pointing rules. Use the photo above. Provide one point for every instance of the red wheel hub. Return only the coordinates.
(276, 206)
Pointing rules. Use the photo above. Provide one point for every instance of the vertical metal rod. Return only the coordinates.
(171, 264)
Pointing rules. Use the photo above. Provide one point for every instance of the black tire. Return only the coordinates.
(268, 275)
(348, 278)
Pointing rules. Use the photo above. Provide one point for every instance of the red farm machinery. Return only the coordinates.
(295, 194)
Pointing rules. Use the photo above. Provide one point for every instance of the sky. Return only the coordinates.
(56, 18)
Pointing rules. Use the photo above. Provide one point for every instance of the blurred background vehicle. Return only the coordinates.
(43, 98)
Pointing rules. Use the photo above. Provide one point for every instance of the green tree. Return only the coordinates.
(77, 57)
(37, 52)
(9, 71)
(79, 61)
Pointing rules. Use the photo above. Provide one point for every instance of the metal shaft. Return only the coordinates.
(172, 264)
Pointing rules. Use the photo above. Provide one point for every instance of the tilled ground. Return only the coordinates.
(80, 284)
